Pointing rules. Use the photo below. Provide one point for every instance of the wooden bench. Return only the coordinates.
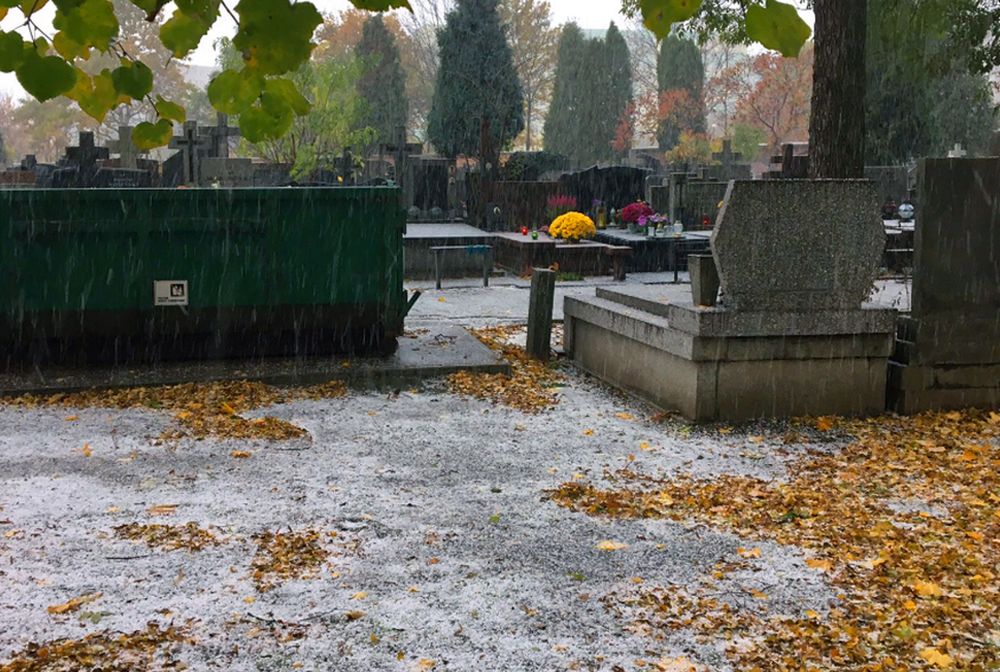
(485, 250)
(618, 254)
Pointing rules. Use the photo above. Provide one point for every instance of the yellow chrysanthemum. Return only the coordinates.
(572, 226)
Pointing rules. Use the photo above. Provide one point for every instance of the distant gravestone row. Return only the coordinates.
(201, 160)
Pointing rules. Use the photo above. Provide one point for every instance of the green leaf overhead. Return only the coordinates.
(274, 35)
(660, 15)
(148, 135)
(11, 51)
(91, 23)
(95, 95)
(133, 79)
(169, 110)
(285, 90)
(182, 33)
(268, 120)
(778, 26)
(231, 92)
(45, 77)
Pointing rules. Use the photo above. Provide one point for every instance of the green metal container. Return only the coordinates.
(148, 274)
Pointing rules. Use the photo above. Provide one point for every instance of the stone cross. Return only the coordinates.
(189, 144)
(128, 153)
(726, 157)
(219, 136)
(86, 154)
(958, 152)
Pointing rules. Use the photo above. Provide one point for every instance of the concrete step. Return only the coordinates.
(632, 300)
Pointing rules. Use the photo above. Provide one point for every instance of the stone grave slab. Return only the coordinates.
(948, 348)
(790, 335)
(789, 245)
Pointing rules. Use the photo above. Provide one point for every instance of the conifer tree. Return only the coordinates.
(382, 84)
(681, 76)
(562, 125)
(476, 80)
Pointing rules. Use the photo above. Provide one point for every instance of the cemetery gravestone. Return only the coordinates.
(218, 136)
(790, 337)
(128, 153)
(190, 145)
(948, 352)
(80, 165)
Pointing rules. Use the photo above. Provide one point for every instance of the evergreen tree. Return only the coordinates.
(619, 87)
(382, 84)
(476, 80)
(593, 90)
(562, 125)
(680, 69)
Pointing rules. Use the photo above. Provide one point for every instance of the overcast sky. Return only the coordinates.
(587, 13)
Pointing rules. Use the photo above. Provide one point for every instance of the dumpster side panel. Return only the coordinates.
(267, 271)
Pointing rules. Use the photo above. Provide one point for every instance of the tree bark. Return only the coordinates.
(837, 122)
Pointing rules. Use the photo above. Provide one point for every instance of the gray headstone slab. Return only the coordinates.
(798, 245)
(957, 240)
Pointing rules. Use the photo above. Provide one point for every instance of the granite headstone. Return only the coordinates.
(794, 246)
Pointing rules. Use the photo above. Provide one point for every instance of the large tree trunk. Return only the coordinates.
(527, 142)
(837, 123)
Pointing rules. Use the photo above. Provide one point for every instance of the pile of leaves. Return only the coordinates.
(905, 521)
(284, 556)
(201, 409)
(151, 648)
(530, 387)
(168, 537)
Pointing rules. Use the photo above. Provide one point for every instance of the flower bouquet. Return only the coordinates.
(572, 227)
(632, 212)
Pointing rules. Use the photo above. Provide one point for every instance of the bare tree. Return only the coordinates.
(419, 56)
(533, 43)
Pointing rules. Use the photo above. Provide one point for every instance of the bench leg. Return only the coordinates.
(487, 267)
(618, 263)
(437, 269)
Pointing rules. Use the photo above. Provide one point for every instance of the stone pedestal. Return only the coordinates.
(796, 260)
(718, 364)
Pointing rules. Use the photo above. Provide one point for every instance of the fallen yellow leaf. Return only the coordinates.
(86, 450)
(910, 604)
(624, 416)
(588, 432)
(926, 589)
(426, 664)
(249, 599)
(227, 409)
(74, 604)
(240, 454)
(758, 594)
(374, 639)
(644, 446)
(816, 563)
(354, 615)
(413, 589)
(71, 418)
(608, 545)
(441, 299)
(756, 439)
(360, 595)
(748, 552)
(824, 424)
(811, 614)
(936, 658)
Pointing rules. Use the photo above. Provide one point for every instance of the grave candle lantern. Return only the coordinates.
(534, 235)
(524, 230)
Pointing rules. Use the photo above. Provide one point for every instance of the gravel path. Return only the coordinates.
(446, 554)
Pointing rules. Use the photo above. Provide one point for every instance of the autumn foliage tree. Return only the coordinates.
(774, 95)
(681, 77)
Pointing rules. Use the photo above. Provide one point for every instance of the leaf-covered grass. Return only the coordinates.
(904, 521)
